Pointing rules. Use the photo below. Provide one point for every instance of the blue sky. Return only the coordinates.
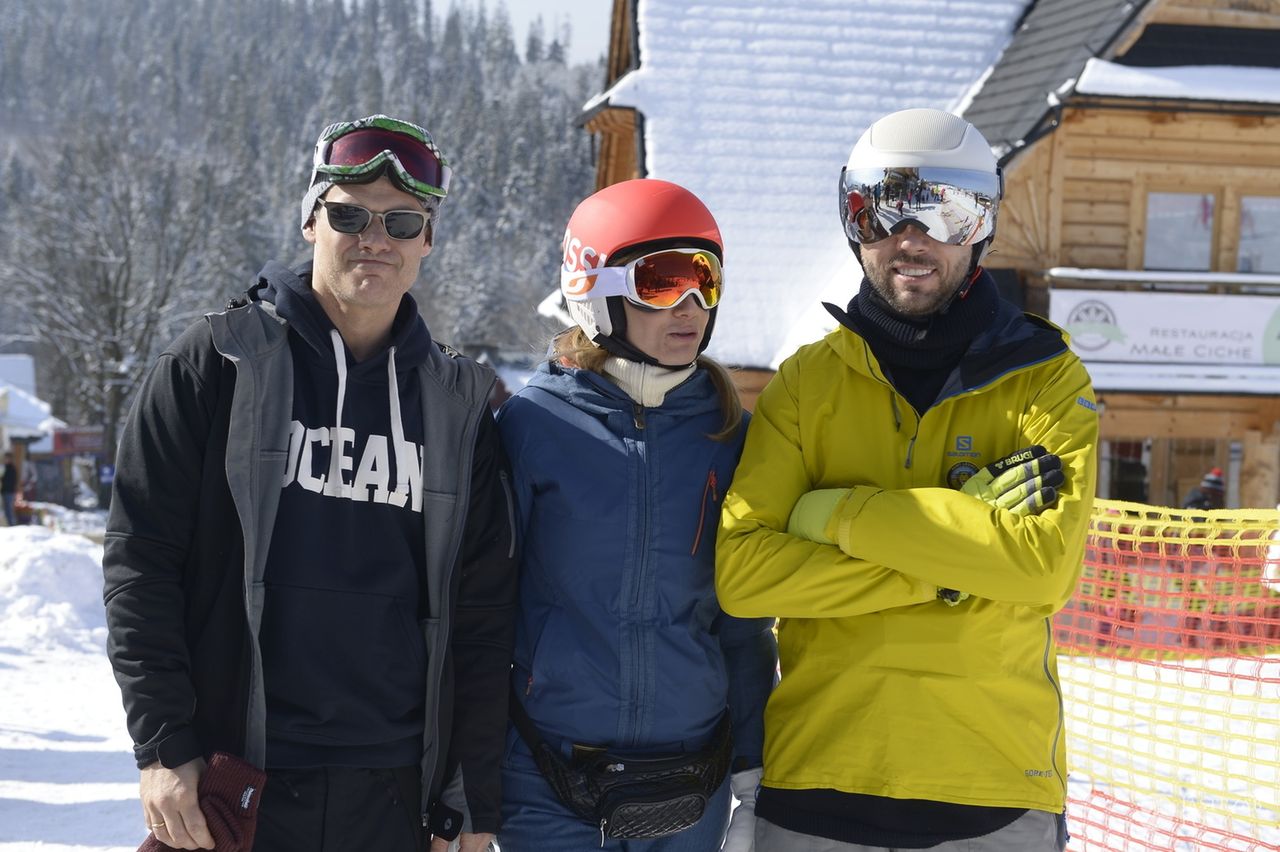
(589, 19)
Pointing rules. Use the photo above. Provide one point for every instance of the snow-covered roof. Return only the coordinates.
(1195, 82)
(754, 106)
(22, 415)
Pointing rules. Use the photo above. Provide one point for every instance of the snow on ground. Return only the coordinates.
(1192, 745)
(67, 777)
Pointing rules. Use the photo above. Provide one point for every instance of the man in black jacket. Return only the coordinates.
(309, 560)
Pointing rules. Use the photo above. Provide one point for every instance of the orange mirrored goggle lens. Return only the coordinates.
(663, 279)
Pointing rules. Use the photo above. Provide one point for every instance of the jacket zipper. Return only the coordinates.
(629, 721)
(1062, 712)
(915, 433)
(642, 451)
(897, 418)
(702, 513)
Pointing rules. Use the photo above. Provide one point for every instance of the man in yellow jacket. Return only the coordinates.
(912, 503)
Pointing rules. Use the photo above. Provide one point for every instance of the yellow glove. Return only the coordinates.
(812, 513)
(1025, 482)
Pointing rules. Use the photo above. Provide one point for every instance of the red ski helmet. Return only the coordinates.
(634, 216)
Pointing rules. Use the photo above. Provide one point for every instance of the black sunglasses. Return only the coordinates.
(354, 219)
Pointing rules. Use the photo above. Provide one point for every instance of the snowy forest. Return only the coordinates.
(153, 154)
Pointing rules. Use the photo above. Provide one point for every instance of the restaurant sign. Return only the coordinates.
(1169, 328)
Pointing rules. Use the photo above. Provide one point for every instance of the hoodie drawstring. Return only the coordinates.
(335, 482)
(403, 449)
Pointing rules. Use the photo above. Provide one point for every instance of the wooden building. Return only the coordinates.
(1141, 149)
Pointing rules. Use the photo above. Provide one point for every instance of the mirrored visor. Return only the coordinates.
(952, 206)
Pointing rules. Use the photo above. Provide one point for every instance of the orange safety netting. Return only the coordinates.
(1170, 660)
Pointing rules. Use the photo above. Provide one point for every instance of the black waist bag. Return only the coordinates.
(631, 798)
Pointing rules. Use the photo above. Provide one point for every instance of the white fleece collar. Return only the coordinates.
(647, 384)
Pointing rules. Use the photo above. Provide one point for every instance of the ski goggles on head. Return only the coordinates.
(353, 151)
(660, 279)
(953, 206)
(354, 219)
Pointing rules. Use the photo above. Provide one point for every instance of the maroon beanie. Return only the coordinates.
(229, 792)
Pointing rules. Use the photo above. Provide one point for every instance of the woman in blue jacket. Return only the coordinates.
(635, 698)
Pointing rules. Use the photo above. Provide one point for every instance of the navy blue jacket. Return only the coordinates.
(621, 641)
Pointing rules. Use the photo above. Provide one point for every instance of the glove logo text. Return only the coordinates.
(1015, 459)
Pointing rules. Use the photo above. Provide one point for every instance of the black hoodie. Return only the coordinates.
(343, 573)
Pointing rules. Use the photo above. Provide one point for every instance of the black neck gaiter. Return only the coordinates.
(919, 354)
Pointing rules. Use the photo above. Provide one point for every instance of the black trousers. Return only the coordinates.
(341, 809)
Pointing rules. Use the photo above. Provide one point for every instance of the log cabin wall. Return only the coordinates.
(620, 144)
(1078, 198)
(749, 384)
(620, 154)
(1178, 437)
(1112, 159)
(1243, 14)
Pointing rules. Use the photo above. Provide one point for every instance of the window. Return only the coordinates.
(1179, 231)
(1259, 234)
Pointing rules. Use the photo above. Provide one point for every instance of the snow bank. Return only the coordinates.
(91, 523)
(50, 590)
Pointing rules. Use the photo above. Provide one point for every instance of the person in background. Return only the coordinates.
(1209, 494)
(637, 703)
(912, 503)
(309, 559)
(30, 482)
(9, 489)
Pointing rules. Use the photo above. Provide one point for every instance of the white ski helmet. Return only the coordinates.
(924, 167)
